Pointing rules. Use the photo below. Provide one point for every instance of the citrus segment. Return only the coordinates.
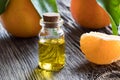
(100, 48)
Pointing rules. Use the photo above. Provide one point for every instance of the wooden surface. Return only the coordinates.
(19, 57)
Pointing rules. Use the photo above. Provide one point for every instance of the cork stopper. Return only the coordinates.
(51, 19)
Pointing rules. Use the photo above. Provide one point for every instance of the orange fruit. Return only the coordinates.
(88, 14)
(100, 48)
(21, 19)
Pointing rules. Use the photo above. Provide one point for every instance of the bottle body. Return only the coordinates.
(51, 47)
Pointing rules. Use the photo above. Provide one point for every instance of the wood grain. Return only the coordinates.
(19, 57)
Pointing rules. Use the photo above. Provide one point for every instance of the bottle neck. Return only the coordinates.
(51, 29)
(57, 24)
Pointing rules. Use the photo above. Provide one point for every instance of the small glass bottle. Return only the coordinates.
(51, 43)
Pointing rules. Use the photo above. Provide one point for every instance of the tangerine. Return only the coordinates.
(89, 14)
(100, 48)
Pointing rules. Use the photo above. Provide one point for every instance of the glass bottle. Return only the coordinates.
(51, 44)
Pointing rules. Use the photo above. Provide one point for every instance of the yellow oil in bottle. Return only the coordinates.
(52, 54)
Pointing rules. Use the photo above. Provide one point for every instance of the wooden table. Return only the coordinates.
(19, 57)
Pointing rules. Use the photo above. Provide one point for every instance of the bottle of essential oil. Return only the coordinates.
(51, 43)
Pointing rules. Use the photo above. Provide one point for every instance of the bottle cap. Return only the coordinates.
(51, 17)
(51, 20)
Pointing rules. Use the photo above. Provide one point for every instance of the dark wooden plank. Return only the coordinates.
(19, 57)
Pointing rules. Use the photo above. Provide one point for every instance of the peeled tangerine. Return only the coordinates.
(100, 48)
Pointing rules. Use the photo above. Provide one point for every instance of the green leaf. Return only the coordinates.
(3, 4)
(43, 6)
(113, 8)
